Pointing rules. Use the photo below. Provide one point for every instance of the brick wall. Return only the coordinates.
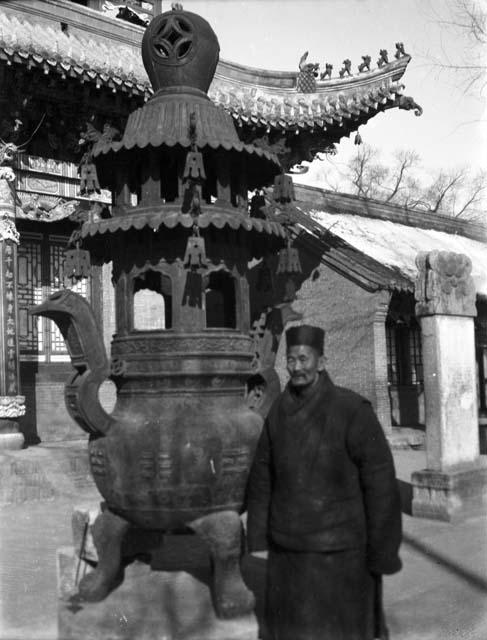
(47, 419)
(347, 313)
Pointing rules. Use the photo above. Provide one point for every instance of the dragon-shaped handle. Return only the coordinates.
(76, 321)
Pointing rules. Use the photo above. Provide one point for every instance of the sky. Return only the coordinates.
(273, 34)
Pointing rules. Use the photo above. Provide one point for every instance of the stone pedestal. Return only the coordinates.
(454, 485)
(165, 593)
(168, 598)
(12, 404)
(451, 494)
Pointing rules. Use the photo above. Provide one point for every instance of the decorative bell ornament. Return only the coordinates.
(195, 255)
(289, 260)
(88, 176)
(283, 189)
(194, 168)
(77, 264)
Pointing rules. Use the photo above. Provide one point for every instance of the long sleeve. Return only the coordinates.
(259, 494)
(370, 451)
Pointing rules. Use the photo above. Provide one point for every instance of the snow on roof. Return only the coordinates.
(397, 245)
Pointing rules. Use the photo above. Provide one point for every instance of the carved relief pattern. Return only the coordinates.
(145, 345)
(444, 284)
(98, 462)
(12, 406)
(229, 469)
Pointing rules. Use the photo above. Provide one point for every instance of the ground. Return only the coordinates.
(440, 593)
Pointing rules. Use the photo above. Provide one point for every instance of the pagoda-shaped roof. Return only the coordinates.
(68, 40)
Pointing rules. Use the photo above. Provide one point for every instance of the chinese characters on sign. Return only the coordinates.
(9, 326)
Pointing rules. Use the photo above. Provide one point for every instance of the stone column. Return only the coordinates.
(382, 401)
(455, 482)
(12, 404)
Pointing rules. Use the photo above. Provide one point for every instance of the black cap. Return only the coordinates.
(305, 334)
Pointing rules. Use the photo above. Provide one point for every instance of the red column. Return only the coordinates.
(12, 403)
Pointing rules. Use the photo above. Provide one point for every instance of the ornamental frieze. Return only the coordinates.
(189, 384)
(190, 366)
(179, 344)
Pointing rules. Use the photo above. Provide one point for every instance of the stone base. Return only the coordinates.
(450, 495)
(155, 602)
(406, 438)
(11, 441)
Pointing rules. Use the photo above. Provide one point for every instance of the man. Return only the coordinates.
(323, 499)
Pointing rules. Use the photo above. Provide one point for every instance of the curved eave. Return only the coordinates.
(250, 95)
(172, 219)
(166, 138)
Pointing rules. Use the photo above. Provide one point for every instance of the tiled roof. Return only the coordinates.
(387, 250)
(335, 101)
(343, 257)
(333, 202)
(250, 95)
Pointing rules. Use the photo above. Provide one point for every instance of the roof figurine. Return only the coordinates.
(327, 72)
(365, 65)
(383, 58)
(400, 53)
(308, 72)
(346, 69)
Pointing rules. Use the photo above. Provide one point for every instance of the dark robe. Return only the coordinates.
(323, 498)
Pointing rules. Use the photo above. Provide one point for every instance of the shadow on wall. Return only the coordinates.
(28, 423)
(46, 418)
(406, 493)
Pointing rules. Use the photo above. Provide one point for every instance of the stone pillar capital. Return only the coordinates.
(444, 285)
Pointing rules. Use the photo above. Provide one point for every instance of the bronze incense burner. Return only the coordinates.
(176, 450)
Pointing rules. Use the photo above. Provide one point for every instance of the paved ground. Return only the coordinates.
(439, 595)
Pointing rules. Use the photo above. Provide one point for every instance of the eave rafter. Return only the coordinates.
(256, 99)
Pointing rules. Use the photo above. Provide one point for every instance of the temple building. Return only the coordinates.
(70, 75)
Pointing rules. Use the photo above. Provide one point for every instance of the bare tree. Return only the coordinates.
(367, 173)
(401, 182)
(466, 19)
(455, 192)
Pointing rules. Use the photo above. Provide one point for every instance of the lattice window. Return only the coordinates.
(57, 248)
(40, 273)
(30, 293)
(404, 353)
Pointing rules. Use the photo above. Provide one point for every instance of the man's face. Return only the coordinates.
(303, 364)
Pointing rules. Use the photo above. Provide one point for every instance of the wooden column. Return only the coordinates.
(12, 403)
(382, 402)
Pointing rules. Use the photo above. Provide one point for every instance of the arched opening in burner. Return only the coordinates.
(221, 309)
(152, 301)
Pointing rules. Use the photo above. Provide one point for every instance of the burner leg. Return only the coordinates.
(223, 534)
(108, 532)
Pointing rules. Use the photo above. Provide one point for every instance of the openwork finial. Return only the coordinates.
(180, 49)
